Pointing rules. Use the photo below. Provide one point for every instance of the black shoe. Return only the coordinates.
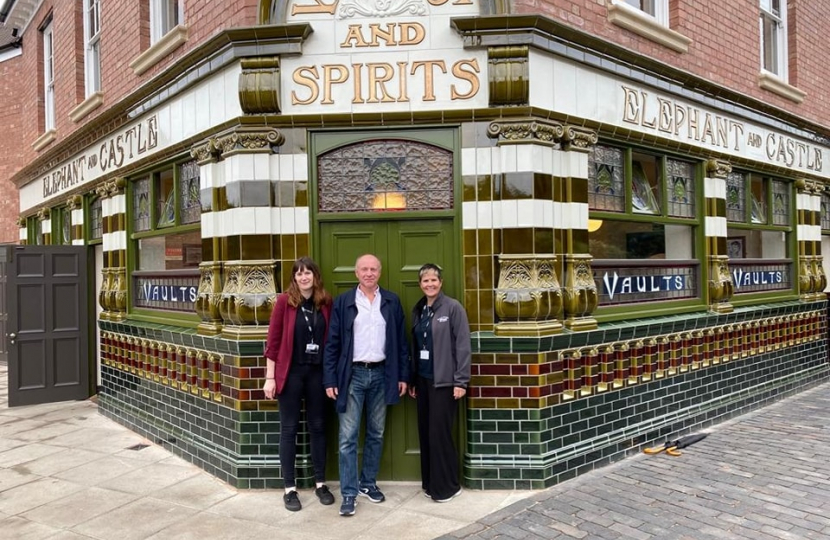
(324, 495)
(292, 501)
(347, 506)
(372, 493)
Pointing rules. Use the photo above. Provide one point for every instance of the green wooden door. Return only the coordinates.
(402, 247)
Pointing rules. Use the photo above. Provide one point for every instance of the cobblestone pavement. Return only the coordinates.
(762, 476)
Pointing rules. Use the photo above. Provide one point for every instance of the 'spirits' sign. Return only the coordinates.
(395, 54)
(112, 153)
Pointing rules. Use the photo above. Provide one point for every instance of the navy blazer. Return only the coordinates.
(339, 349)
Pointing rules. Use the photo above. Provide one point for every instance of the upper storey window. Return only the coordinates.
(774, 37)
(164, 16)
(659, 9)
(48, 78)
(92, 45)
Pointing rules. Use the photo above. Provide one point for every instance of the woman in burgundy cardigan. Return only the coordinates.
(294, 353)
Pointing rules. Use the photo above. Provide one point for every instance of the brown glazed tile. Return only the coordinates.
(469, 187)
(485, 273)
(288, 247)
(517, 240)
(485, 188)
(302, 245)
(542, 186)
(558, 189)
(542, 241)
(471, 305)
(255, 247)
(276, 246)
(471, 276)
(301, 194)
(486, 306)
(221, 199)
(578, 190)
(469, 247)
(518, 185)
(286, 194)
(231, 248)
(207, 249)
(497, 241)
(580, 240)
(485, 241)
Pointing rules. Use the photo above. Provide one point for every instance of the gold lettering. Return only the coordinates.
(358, 88)
(631, 106)
(388, 35)
(329, 80)
(377, 82)
(403, 97)
(429, 83)
(471, 76)
(317, 7)
(354, 35)
(412, 33)
(300, 78)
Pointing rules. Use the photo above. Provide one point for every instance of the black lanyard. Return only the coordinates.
(429, 314)
(312, 323)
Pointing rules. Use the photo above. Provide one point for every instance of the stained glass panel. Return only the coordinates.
(646, 185)
(190, 207)
(66, 227)
(758, 199)
(141, 205)
(606, 180)
(825, 211)
(166, 199)
(681, 188)
(96, 222)
(780, 203)
(384, 176)
(735, 197)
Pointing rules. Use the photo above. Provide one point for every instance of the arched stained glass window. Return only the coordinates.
(385, 175)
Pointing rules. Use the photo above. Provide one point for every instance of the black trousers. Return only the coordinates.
(304, 382)
(437, 410)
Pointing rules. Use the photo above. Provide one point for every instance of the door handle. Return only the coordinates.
(12, 337)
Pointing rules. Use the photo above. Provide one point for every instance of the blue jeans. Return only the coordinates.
(366, 387)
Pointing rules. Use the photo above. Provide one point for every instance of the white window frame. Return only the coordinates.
(659, 9)
(92, 46)
(48, 77)
(781, 41)
(164, 16)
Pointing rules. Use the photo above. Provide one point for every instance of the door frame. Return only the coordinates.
(442, 136)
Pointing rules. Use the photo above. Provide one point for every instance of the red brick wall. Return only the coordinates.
(12, 154)
(725, 44)
(125, 33)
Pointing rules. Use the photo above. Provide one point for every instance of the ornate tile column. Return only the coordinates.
(23, 227)
(811, 278)
(113, 295)
(237, 285)
(75, 206)
(720, 278)
(580, 290)
(44, 222)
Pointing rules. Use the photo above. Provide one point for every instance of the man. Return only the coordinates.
(365, 362)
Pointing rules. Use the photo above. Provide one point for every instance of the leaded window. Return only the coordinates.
(606, 179)
(735, 197)
(681, 179)
(190, 208)
(141, 205)
(825, 211)
(385, 175)
(96, 220)
(780, 203)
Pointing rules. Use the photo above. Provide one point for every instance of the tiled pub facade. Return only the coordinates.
(581, 355)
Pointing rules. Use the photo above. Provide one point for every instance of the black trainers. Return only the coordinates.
(372, 493)
(324, 495)
(347, 506)
(448, 499)
(292, 501)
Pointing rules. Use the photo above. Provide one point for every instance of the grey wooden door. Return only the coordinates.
(47, 335)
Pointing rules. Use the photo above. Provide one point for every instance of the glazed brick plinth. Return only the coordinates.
(239, 447)
(526, 447)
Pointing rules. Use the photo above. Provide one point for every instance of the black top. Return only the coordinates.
(423, 341)
(310, 327)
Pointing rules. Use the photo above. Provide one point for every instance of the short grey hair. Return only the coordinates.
(429, 267)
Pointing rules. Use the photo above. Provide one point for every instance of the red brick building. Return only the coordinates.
(629, 197)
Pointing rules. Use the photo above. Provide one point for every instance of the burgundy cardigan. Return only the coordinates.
(280, 342)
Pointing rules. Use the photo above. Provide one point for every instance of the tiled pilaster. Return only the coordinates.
(113, 296)
(811, 278)
(44, 223)
(75, 207)
(720, 278)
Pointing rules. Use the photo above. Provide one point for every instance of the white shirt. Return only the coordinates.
(369, 329)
